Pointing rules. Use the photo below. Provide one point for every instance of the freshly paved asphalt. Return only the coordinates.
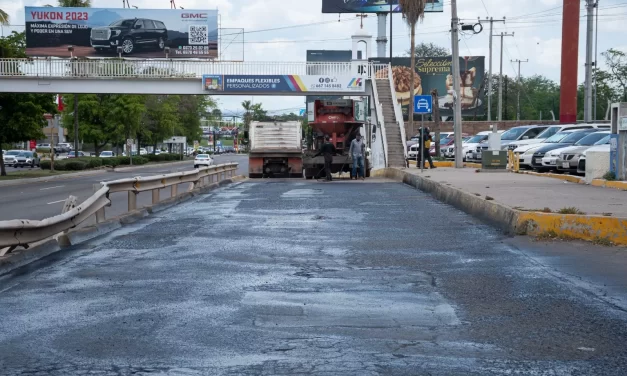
(275, 277)
(39, 200)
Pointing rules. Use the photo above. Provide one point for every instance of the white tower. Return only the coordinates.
(362, 47)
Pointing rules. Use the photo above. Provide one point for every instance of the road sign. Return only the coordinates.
(423, 104)
(302, 112)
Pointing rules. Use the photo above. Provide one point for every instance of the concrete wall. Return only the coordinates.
(597, 164)
(376, 142)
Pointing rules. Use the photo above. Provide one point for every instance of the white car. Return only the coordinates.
(203, 160)
(525, 152)
(106, 154)
(10, 157)
(468, 146)
(143, 151)
(552, 130)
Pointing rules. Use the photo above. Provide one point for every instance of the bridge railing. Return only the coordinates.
(23, 232)
(172, 68)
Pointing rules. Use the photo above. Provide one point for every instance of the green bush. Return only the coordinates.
(140, 161)
(74, 165)
(45, 165)
(156, 158)
(43, 150)
(94, 162)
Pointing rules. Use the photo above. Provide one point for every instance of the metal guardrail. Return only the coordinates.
(170, 68)
(22, 232)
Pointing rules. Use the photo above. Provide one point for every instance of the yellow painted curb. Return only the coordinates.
(448, 164)
(584, 227)
(569, 178)
(622, 185)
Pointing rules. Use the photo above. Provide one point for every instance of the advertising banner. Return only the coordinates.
(98, 32)
(435, 73)
(373, 6)
(283, 83)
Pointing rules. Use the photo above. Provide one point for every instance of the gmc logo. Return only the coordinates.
(194, 15)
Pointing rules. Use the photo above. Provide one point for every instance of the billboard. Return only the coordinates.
(435, 73)
(283, 83)
(144, 33)
(373, 6)
(314, 56)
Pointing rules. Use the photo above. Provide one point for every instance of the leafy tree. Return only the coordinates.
(248, 115)
(160, 120)
(617, 63)
(22, 118)
(21, 115)
(429, 50)
(75, 3)
(413, 11)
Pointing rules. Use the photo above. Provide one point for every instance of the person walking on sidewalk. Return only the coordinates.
(357, 152)
(426, 146)
(327, 150)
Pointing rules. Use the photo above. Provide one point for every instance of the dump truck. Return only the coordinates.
(341, 120)
(275, 150)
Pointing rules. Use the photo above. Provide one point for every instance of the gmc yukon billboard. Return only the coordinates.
(94, 32)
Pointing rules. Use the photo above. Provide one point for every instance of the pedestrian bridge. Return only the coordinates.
(140, 76)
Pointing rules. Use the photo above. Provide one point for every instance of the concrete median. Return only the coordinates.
(596, 228)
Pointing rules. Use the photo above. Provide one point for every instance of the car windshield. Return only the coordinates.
(604, 140)
(550, 131)
(123, 23)
(24, 154)
(12, 152)
(106, 153)
(591, 139)
(574, 137)
(513, 134)
(476, 139)
(556, 138)
(202, 156)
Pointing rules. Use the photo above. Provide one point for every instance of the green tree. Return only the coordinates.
(617, 64)
(21, 115)
(75, 3)
(413, 11)
(161, 120)
(22, 118)
(248, 115)
(429, 50)
(4, 18)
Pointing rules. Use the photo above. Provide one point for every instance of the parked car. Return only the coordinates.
(525, 153)
(143, 151)
(9, 157)
(72, 154)
(63, 147)
(581, 167)
(130, 34)
(43, 146)
(543, 162)
(107, 154)
(552, 130)
(202, 160)
(157, 152)
(27, 158)
(514, 134)
(568, 158)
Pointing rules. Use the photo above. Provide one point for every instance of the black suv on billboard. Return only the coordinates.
(130, 34)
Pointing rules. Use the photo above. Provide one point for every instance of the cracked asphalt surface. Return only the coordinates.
(276, 277)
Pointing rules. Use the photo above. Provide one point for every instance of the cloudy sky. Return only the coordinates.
(283, 30)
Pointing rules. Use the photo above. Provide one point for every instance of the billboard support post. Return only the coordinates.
(457, 102)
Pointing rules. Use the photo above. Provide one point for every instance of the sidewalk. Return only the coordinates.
(529, 192)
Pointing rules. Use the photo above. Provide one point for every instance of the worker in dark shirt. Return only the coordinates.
(328, 150)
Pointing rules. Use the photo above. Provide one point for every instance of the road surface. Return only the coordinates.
(39, 200)
(276, 277)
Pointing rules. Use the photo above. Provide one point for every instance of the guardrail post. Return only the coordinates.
(132, 200)
(100, 214)
(155, 196)
(174, 190)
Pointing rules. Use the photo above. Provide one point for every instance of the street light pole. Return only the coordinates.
(519, 86)
(457, 114)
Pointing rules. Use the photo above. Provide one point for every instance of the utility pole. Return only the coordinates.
(391, 32)
(519, 86)
(457, 113)
(587, 104)
(596, 65)
(492, 21)
(500, 108)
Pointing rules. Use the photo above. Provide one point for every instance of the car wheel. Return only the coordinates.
(195, 166)
(161, 44)
(128, 45)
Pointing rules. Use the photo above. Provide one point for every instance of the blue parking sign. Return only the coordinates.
(423, 104)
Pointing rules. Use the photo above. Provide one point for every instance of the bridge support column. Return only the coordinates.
(155, 196)
(132, 200)
(570, 58)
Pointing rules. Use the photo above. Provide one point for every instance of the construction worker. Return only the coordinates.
(426, 147)
(357, 152)
(327, 150)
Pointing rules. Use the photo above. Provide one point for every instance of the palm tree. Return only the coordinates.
(79, 4)
(4, 18)
(413, 11)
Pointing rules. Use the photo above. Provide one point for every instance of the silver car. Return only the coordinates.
(568, 160)
(27, 159)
